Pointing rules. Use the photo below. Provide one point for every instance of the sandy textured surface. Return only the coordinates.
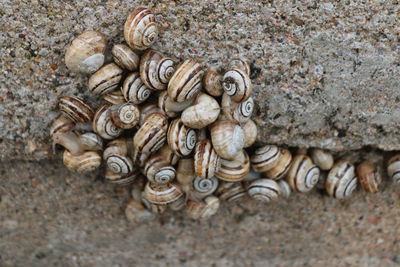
(325, 74)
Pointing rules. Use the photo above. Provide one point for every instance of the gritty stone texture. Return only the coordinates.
(326, 74)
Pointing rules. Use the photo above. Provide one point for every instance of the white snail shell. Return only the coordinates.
(212, 82)
(125, 116)
(75, 109)
(369, 177)
(206, 160)
(125, 57)
(282, 167)
(181, 139)
(231, 191)
(285, 188)
(121, 179)
(103, 125)
(237, 112)
(250, 133)
(185, 83)
(234, 170)
(156, 70)
(205, 187)
(303, 175)
(227, 138)
(105, 80)
(323, 159)
(158, 170)
(265, 158)
(204, 111)
(82, 163)
(134, 90)
(162, 194)
(140, 29)
(86, 53)
(237, 85)
(394, 168)
(202, 209)
(264, 190)
(342, 180)
(114, 97)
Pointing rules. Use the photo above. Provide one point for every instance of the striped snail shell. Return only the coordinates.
(185, 83)
(168, 155)
(83, 163)
(264, 190)
(152, 135)
(394, 168)
(237, 112)
(139, 157)
(146, 110)
(103, 125)
(121, 179)
(265, 158)
(342, 180)
(140, 29)
(116, 157)
(227, 138)
(159, 171)
(75, 109)
(369, 176)
(162, 194)
(86, 53)
(285, 188)
(134, 90)
(212, 82)
(205, 187)
(114, 97)
(231, 191)
(125, 57)
(172, 108)
(282, 167)
(156, 70)
(91, 141)
(204, 111)
(181, 139)
(125, 116)
(250, 133)
(237, 85)
(323, 159)
(118, 146)
(105, 80)
(154, 208)
(206, 160)
(234, 170)
(60, 125)
(178, 204)
(303, 175)
(241, 64)
(137, 213)
(202, 209)
(185, 171)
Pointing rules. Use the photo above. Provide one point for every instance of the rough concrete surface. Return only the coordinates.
(326, 74)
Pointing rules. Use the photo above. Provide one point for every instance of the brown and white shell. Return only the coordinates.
(125, 57)
(114, 97)
(323, 159)
(393, 168)
(342, 180)
(168, 155)
(285, 188)
(205, 187)
(369, 176)
(82, 163)
(264, 190)
(146, 110)
(234, 170)
(106, 79)
(125, 116)
(237, 85)
(204, 111)
(158, 170)
(282, 167)
(181, 139)
(237, 112)
(227, 139)
(185, 171)
(134, 90)
(265, 158)
(250, 133)
(231, 191)
(202, 209)
(156, 70)
(75, 109)
(240, 63)
(121, 179)
(303, 174)
(212, 82)
(103, 125)
(206, 160)
(61, 125)
(162, 194)
(140, 29)
(171, 108)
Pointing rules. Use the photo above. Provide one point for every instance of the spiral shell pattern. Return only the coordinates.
(205, 186)
(106, 79)
(237, 85)
(181, 139)
(303, 175)
(158, 170)
(125, 116)
(134, 90)
(206, 160)
(103, 125)
(156, 70)
(125, 57)
(265, 158)
(394, 168)
(234, 170)
(264, 190)
(237, 112)
(241, 64)
(342, 180)
(119, 164)
(140, 29)
(75, 109)
(162, 194)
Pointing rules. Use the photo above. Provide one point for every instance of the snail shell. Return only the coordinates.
(125, 57)
(237, 112)
(264, 190)
(70, 141)
(323, 159)
(139, 157)
(204, 111)
(140, 29)
(105, 80)
(227, 138)
(303, 175)
(86, 52)
(156, 70)
(181, 139)
(146, 110)
(168, 155)
(103, 125)
(237, 85)
(75, 109)
(116, 157)
(231, 191)
(118, 146)
(91, 141)
(241, 64)
(134, 90)
(202, 209)
(178, 204)
(282, 166)
(61, 125)
(185, 171)
(185, 83)
(83, 163)
(136, 212)
(125, 116)
(205, 187)
(206, 160)
(171, 108)
(250, 133)
(285, 188)
(394, 168)
(162, 194)
(158, 170)
(369, 176)
(265, 158)
(115, 97)
(121, 179)
(212, 82)
(342, 180)
(234, 170)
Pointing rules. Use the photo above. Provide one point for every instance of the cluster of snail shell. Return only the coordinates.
(180, 134)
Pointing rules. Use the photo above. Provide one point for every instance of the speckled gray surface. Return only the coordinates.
(326, 74)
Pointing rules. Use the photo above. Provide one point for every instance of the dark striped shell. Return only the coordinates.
(202, 209)
(156, 70)
(282, 167)
(103, 125)
(303, 174)
(125, 57)
(265, 158)
(75, 109)
(342, 180)
(162, 194)
(205, 187)
(237, 85)
(234, 170)
(121, 179)
(106, 79)
(264, 190)
(237, 112)
(134, 90)
(181, 139)
(206, 160)
(231, 191)
(158, 170)
(125, 115)
(83, 163)
(140, 29)
(61, 124)
(394, 168)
